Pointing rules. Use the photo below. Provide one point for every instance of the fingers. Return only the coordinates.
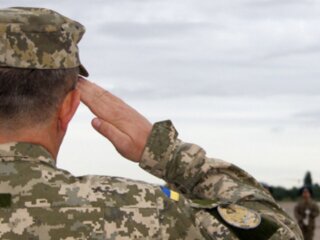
(127, 129)
(122, 142)
(108, 107)
(92, 93)
(108, 130)
(101, 102)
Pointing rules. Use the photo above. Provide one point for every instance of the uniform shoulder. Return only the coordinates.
(118, 191)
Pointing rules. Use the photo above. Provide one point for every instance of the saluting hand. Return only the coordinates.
(127, 129)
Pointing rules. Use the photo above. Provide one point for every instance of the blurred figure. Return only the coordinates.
(306, 212)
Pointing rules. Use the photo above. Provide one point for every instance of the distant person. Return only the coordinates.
(306, 212)
(40, 91)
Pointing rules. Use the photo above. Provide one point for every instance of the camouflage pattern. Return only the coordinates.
(39, 38)
(306, 212)
(40, 201)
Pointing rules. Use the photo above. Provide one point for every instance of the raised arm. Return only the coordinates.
(207, 183)
(212, 183)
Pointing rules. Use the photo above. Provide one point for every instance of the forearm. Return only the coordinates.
(186, 167)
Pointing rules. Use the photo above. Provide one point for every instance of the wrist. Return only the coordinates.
(159, 148)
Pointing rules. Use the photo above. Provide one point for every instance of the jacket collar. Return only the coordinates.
(26, 152)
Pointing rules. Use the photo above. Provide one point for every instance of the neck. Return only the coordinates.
(38, 135)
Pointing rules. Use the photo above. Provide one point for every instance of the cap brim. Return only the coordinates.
(83, 71)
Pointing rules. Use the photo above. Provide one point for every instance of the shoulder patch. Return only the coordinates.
(170, 194)
(238, 216)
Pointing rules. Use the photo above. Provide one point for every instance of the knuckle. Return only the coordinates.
(100, 95)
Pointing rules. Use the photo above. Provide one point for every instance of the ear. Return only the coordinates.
(68, 108)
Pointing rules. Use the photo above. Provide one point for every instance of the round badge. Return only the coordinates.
(240, 217)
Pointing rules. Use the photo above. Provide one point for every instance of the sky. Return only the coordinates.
(239, 78)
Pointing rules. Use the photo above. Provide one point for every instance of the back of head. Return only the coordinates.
(29, 97)
(39, 63)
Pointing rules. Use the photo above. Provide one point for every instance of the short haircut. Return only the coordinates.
(307, 187)
(31, 96)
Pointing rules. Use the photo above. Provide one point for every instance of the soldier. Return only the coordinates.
(306, 212)
(40, 90)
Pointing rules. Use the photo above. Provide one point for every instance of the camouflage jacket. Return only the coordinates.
(306, 213)
(205, 198)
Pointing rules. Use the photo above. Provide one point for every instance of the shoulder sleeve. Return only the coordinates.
(187, 169)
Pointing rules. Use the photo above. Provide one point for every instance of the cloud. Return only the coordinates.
(176, 48)
(274, 3)
(233, 74)
(309, 117)
(131, 31)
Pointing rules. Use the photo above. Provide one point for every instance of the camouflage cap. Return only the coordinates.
(39, 38)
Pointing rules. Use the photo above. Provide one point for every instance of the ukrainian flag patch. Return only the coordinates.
(170, 194)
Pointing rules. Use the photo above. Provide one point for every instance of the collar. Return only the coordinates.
(26, 152)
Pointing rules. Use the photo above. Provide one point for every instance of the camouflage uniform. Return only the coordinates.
(40, 201)
(39, 38)
(306, 213)
(204, 198)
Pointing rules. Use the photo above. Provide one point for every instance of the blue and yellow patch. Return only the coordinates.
(170, 194)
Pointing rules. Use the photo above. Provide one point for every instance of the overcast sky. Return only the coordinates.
(240, 78)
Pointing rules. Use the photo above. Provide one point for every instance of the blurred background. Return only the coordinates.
(240, 78)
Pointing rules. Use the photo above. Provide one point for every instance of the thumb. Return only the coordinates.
(96, 123)
(120, 140)
(108, 130)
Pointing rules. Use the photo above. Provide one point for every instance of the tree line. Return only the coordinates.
(292, 194)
